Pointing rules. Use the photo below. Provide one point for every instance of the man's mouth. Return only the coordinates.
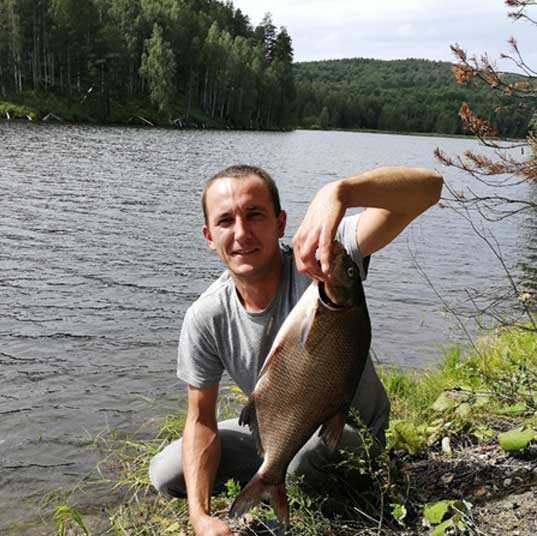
(245, 251)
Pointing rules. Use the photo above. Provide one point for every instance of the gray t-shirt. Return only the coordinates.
(219, 334)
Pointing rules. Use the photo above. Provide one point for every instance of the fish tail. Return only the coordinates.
(255, 491)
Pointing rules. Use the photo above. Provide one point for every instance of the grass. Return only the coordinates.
(446, 424)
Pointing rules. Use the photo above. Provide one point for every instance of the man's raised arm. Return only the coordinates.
(394, 196)
(201, 457)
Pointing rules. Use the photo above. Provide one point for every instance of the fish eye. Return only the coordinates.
(352, 272)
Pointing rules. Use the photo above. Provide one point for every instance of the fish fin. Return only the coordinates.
(255, 491)
(249, 416)
(332, 429)
(269, 361)
(305, 328)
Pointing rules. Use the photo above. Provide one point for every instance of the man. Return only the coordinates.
(232, 325)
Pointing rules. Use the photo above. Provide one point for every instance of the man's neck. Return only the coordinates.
(256, 294)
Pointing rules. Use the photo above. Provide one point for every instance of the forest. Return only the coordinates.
(412, 95)
(202, 63)
(184, 56)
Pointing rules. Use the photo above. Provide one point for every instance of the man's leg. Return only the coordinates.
(316, 466)
(239, 460)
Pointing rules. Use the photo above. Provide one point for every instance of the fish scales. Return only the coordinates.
(331, 380)
(308, 379)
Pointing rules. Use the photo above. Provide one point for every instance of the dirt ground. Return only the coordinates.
(501, 488)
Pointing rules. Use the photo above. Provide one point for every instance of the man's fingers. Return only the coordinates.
(305, 249)
(325, 251)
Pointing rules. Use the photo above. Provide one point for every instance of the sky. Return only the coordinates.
(397, 29)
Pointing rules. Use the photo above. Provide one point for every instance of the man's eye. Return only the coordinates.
(255, 214)
(224, 222)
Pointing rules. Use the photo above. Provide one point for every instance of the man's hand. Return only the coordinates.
(392, 196)
(317, 231)
(210, 526)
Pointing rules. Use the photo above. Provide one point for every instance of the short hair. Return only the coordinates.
(239, 172)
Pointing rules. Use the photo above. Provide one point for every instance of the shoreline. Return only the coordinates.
(232, 129)
(447, 423)
(49, 109)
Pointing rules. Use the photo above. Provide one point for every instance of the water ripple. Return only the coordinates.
(101, 253)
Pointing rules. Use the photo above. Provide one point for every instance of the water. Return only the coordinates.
(101, 253)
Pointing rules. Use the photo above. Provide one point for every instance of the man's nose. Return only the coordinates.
(242, 228)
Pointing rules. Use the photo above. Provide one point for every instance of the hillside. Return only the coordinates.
(412, 95)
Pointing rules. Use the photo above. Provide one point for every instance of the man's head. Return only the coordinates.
(239, 172)
(244, 221)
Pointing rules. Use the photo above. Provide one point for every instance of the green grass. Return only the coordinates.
(469, 393)
(470, 399)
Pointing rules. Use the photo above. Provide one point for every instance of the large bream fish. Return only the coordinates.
(308, 380)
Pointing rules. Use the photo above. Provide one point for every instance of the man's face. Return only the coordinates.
(242, 226)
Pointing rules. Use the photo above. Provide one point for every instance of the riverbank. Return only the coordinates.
(33, 106)
(51, 108)
(462, 456)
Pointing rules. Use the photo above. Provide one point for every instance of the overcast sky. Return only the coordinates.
(391, 29)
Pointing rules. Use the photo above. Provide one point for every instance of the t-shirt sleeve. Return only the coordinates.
(198, 363)
(346, 234)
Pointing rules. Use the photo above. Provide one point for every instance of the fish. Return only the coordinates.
(308, 380)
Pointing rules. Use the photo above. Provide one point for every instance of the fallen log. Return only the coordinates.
(53, 116)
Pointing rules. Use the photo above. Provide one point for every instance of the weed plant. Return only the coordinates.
(443, 421)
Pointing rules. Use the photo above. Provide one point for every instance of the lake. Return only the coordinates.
(101, 253)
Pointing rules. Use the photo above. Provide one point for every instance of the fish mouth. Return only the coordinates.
(325, 300)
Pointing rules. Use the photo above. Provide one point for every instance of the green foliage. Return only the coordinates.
(233, 488)
(324, 118)
(410, 95)
(64, 515)
(16, 111)
(517, 439)
(158, 68)
(468, 396)
(445, 515)
(399, 513)
(407, 436)
(198, 63)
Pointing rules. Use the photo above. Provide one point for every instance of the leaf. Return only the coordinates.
(398, 512)
(482, 433)
(482, 401)
(464, 411)
(435, 512)
(233, 488)
(444, 402)
(440, 530)
(515, 410)
(516, 439)
(407, 437)
(446, 446)
(479, 491)
(452, 522)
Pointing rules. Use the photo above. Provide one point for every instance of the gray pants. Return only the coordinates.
(240, 461)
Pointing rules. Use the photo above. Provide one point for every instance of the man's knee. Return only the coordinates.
(166, 471)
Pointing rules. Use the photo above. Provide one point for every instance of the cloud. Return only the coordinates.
(392, 29)
(405, 30)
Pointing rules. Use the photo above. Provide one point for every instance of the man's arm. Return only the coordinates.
(394, 196)
(201, 457)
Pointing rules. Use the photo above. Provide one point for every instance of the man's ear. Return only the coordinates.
(208, 237)
(282, 220)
